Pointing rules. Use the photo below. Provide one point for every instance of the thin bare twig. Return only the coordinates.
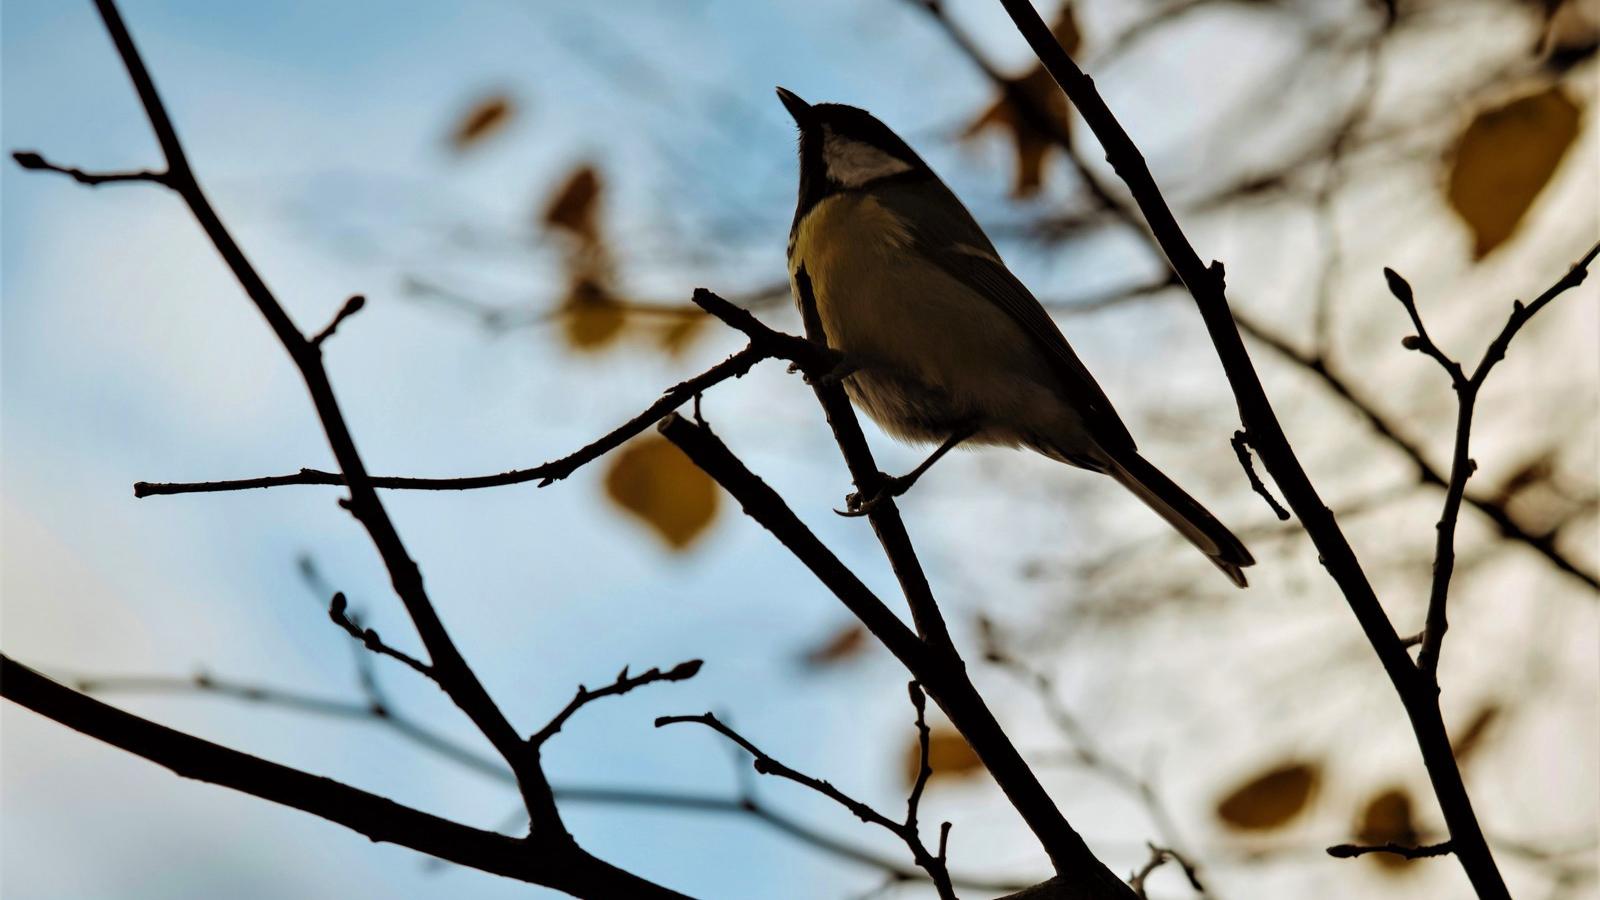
(350, 308)
(1206, 283)
(1462, 465)
(545, 474)
(1351, 851)
(27, 159)
(623, 684)
(766, 765)
(378, 709)
(369, 638)
(1241, 449)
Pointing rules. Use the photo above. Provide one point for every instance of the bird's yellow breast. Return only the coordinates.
(934, 350)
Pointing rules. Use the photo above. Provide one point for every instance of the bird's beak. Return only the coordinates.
(798, 108)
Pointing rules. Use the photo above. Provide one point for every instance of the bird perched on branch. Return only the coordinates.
(946, 345)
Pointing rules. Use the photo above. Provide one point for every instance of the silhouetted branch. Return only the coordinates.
(445, 664)
(30, 160)
(906, 831)
(681, 672)
(1206, 283)
(350, 308)
(1085, 751)
(1159, 856)
(940, 671)
(562, 865)
(369, 639)
(1461, 463)
(545, 474)
(378, 710)
(1351, 851)
(1390, 431)
(1241, 449)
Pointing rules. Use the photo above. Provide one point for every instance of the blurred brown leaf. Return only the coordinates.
(591, 318)
(843, 644)
(677, 334)
(652, 479)
(949, 755)
(1035, 111)
(482, 119)
(1504, 159)
(574, 206)
(1271, 799)
(1387, 819)
(1470, 738)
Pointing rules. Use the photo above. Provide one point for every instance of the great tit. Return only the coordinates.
(945, 344)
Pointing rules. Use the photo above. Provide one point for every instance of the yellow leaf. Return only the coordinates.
(590, 317)
(1272, 799)
(949, 755)
(1504, 159)
(843, 644)
(678, 334)
(574, 207)
(1387, 819)
(482, 119)
(653, 480)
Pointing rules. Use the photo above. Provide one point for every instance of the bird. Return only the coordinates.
(943, 344)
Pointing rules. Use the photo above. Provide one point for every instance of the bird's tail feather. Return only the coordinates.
(1184, 513)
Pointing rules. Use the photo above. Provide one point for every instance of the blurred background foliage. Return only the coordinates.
(575, 174)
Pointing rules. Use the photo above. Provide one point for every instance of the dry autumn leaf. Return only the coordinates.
(590, 317)
(1272, 799)
(1387, 819)
(653, 480)
(482, 119)
(574, 208)
(949, 755)
(1503, 160)
(1035, 112)
(843, 644)
(676, 335)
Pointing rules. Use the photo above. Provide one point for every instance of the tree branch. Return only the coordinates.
(563, 866)
(1461, 463)
(942, 673)
(1351, 851)
(681, 672)
(545, 474)
(1206, 284)
(766, 765)
(27, 159)
(378, 710)
(369, 639)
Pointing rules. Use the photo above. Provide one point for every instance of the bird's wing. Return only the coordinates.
(945, 233)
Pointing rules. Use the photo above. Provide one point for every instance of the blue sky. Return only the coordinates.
(127, 353)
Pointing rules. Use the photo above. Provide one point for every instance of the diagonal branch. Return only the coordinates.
(766, 765)
(27, 159)
(942, 673)
(1206, 284)
(381, 712)
(1351, 851)
(681, 672)
(369, 638)
(1462, 465)
(545, 474)
(565, 867)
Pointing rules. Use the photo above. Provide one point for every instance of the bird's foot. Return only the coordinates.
(846, 366)
(887, 487)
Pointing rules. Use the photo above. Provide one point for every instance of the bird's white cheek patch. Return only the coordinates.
(854, 163)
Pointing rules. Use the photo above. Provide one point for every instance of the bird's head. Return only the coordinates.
(843, 148)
